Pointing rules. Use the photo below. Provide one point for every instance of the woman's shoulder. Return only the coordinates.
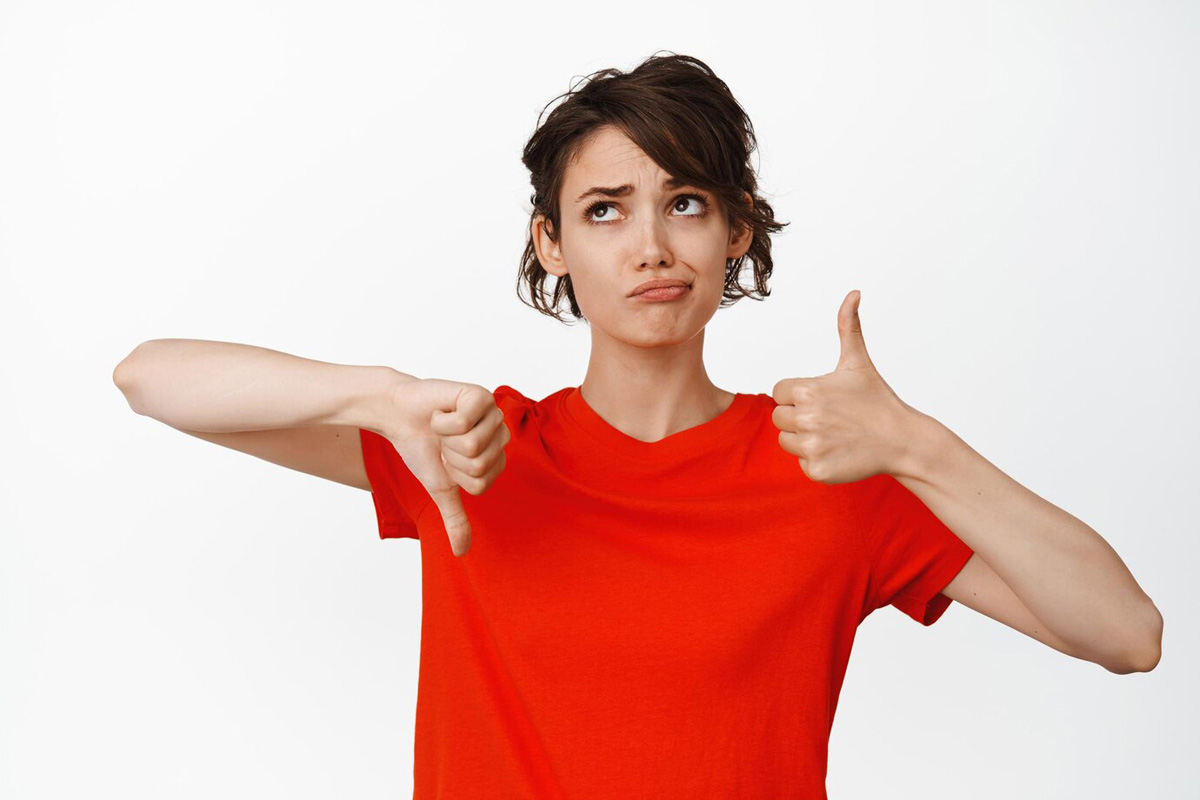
(515, 403)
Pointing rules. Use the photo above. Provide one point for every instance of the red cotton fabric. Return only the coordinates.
(667, 619)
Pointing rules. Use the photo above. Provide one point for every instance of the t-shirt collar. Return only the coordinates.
(691, 441)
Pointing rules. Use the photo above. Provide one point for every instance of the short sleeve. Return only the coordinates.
(913, 555)
(515, 406)
(398, 496)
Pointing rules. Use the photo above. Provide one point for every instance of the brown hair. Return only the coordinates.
(683, 117)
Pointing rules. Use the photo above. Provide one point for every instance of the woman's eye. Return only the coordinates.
(685, 199)
(603, 210)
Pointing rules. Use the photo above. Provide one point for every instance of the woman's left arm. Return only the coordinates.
(1056, 565)
(1036, 568)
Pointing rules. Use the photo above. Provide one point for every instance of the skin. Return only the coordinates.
(645, 374)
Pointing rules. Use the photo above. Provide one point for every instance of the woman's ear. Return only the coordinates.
(549, 253)
(741, 236)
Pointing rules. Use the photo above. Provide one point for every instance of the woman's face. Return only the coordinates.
(611, 242)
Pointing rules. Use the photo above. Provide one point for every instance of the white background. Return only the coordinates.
(1013, 187)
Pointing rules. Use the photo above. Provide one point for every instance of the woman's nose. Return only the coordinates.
(655, 247)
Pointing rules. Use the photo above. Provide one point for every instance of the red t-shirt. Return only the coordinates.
(666, 619)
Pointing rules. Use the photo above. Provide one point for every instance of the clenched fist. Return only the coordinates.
(449, 434)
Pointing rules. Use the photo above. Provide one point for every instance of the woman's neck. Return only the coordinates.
(650, 394)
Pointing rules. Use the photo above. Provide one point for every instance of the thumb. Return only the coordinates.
(854, 347)
(454, 517)
(460, 408)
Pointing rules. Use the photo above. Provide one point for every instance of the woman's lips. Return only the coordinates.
(658, 283)
(663, 293)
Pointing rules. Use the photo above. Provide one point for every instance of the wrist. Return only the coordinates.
(926, 441)
(369, 397)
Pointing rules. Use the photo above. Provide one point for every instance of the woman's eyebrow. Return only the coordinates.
(625, 188)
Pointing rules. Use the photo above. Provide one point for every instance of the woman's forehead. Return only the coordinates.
(610, 150)
(610, 159)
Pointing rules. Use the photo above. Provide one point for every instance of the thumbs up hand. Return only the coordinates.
(449, 435)
(846, 425)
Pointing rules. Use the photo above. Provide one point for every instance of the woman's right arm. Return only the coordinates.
(305, 415)
(218, 387)
(296, 412)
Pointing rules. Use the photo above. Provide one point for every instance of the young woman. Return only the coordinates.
(647, 585)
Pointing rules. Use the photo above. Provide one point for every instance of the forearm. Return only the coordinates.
(1064, 572)
(202, 385)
